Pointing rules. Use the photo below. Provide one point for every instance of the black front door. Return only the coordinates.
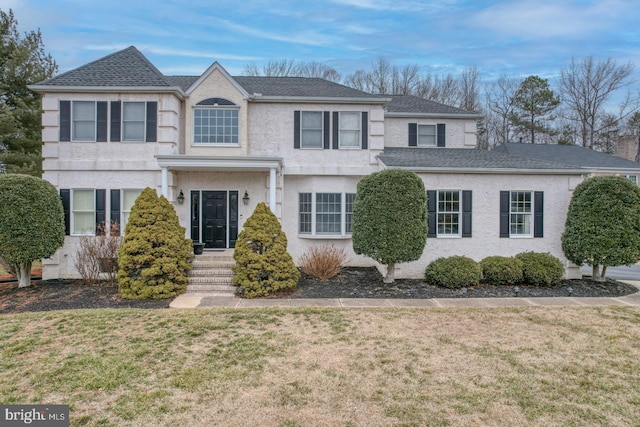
(214, 219)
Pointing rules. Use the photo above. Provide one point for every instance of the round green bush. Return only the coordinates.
(501, 270)
(453, 272)
(541, 269)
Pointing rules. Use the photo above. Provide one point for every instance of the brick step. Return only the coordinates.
(227, 289)
(206, 272)
(200, 264)
(215, 257)
(214, 280)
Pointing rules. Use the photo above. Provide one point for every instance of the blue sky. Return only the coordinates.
(517, 38)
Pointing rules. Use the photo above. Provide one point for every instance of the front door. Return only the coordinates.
(214, 219)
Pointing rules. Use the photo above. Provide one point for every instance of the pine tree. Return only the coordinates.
(22, 62)
(155, 255)
(263, 264)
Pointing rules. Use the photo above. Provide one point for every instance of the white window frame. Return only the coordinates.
(632, 178)
(314, 212)
(422, 136)
(74, 211)
(444, 212)
(302, 129)
(74, 138)
(124, 122)
(357, 131)
(125, 211)
(525, 214)
(216, 108)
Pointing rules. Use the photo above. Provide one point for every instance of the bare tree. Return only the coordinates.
(381, 76)
(405, 81)
(316, 69)
(499, 101)
(469, 92)
(359, 80)
(587, 85)
(634, 125)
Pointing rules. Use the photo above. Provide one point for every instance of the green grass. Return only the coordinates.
(304, 367)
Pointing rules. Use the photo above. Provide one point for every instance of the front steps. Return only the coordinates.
(211, 275)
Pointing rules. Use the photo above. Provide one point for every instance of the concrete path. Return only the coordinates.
(189, 301)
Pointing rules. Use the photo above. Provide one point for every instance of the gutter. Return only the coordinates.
(474, 116)
(108, 89)
(317, 99)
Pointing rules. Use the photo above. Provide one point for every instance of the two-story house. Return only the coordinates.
(216, 145)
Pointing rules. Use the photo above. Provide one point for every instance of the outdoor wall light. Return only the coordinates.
(245, 198)
(180, 198)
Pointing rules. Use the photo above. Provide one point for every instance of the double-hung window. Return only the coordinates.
(426, 135)
(449, 213)
(128, 199)
(328, 214)
(350, 127)
(521, 214)
(632, 178)
(84, 121)
(311, 131)
(133, 121)
(83, 212)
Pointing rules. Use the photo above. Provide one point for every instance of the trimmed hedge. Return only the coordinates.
(453, 272)
(541, 269)
(501, 270)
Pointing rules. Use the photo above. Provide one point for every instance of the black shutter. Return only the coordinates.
(114, 216)
(65, 198)
(441, 134)
(65, 121)
(466, 213)
(296, 129)
(413, 134)
(233, 218)
(365, 130)
(116, 115)
(101, 124)
(504, 213)
(101, 210)
(326, 133)
(432, 200)
(336, 129)
(195, 215)
(538, 216)
(152, 121)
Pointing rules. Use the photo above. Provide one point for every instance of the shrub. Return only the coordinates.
(31, 223)
(155, 256)
(263, 264)
(97, 255)
(453, 272)
(603, 224)
(390, 218)
(323, 262)
(541, 269)
(501, 270)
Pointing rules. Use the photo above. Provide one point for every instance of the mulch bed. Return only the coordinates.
(352, 282)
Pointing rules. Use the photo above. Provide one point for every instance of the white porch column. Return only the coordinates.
(165, 182)
(272, 190)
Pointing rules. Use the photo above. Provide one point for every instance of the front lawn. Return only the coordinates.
(548, 366)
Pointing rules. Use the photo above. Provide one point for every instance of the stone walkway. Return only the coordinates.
(190, 301)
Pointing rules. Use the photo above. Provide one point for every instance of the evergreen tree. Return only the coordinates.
(263, 264)
(22, 62)
(390, 218)
(31, 223)
(603, 224)
(155, 255)
(533, 103)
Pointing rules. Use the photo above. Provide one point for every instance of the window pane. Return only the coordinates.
(350, 138)
(83, 212)
(83, 223)
(311, 129)
(448, 213)
(328, 213)
(84, 110)
(521, 217)
(129, 198)
(349, 199)
(83, 200)
(84, 121)
(133, 131)
(305, 212)
(133, 111)
(349, 121)
(85, 131)
(427, 135)
(215, 125)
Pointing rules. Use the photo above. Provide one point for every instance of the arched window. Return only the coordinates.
(215, 121)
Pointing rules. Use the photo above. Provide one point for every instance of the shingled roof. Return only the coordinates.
(464, 158)
(412, 104)
(568, 154)
(126, 68)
